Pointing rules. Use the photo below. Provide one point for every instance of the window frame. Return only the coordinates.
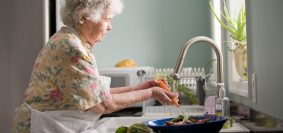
(232, 82)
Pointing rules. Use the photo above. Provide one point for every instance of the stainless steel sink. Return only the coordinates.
(163, 111)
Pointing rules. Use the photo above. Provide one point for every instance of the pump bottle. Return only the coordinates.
(219, 106)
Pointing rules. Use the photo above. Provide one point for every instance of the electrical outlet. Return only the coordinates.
(254, 87)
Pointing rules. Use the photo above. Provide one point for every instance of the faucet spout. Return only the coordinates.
(176, 74)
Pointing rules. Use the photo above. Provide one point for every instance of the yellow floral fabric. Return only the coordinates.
(64, 77)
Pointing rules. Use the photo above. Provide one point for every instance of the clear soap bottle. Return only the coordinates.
(219, 100)
(225, 106)
(226, 113)
(218, 106)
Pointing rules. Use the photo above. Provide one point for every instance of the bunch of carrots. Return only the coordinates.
(163, 84)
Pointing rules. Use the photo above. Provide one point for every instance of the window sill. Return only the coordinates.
(239, 88)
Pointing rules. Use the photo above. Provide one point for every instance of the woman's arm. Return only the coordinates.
(123, 100)
(141, 86)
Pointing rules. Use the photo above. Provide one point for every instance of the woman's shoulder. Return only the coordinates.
(64, 35)
(65, 38)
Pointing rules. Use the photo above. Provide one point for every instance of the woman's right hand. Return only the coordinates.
(163, 97)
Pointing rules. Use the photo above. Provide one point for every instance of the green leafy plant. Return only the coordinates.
(236, 26)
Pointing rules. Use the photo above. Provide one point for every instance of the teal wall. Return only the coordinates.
(265, 45)
(152, 32)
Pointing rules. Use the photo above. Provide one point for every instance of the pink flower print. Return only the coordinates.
(55, 38)
(36, 65)
(75, 59)
(89, 70)
(93, 86)
(56, 95)
(106, 95)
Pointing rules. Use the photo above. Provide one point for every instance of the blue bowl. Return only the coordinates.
(213, 126)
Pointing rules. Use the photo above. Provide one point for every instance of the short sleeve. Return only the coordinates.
(81, 82)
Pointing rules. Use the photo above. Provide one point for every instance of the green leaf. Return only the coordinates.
(235, 26)
(219, 20)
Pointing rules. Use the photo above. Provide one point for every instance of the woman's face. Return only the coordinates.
(93, 32)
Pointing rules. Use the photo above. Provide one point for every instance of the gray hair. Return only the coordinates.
(73, 10)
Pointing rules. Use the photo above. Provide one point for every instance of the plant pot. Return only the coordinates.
(240, 58)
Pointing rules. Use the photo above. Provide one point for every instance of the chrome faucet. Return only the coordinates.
(176, 74)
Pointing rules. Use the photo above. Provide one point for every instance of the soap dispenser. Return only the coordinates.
(219, 106)
(225, 101)
(223, 106)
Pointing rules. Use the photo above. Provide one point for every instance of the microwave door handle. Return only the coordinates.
(141, 74)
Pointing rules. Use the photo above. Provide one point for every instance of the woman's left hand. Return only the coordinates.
(147, 84)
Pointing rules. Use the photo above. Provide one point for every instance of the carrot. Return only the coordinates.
(162, 84)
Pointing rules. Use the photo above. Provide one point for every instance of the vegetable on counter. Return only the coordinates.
(121, 129)
(135, 128)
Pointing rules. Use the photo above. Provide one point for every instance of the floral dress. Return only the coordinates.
(65, 77)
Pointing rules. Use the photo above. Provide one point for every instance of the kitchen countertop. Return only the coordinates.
(110, 124)
(244, 121)
(126, 117)
(261, 129)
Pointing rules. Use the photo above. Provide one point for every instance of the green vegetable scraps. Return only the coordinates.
(135, 128)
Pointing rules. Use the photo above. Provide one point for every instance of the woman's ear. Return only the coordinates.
(83, 19)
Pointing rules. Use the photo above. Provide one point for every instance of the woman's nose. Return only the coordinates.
(109, 27)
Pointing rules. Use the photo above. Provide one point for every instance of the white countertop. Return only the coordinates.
(109, 124)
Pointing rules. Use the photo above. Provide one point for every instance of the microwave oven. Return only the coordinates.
(128, 76)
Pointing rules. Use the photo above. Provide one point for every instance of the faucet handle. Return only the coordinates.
(221, 91)
(175, 76)
(220, 85)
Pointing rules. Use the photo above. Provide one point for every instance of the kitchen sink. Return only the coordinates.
(166, 111)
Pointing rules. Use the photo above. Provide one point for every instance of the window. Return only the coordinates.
(235, 58)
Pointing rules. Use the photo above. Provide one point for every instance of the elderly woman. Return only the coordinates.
(66, 93)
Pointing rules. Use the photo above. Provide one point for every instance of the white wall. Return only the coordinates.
(21, 37)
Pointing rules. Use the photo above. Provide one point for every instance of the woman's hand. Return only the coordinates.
(163, 97)
(145, 85)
